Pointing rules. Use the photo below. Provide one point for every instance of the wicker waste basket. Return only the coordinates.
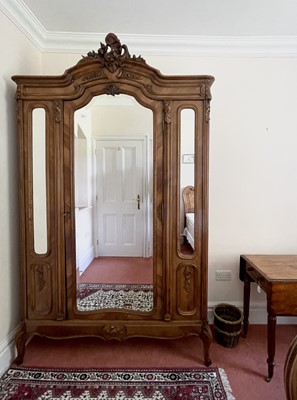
(227, 323)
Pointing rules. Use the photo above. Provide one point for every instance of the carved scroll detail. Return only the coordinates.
(202, 90)
(167, 317)
(188, 277)
(130, 75)
(149, 87)
(114, 332)
(113, 54)
(207, 93)
(167, 112)
(18, 94)
(40, 288)
(112, 90)
(207, 111)
(187, 284)
(57, 113)
(93, 75)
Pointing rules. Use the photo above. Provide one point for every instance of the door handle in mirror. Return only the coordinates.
(138, 202)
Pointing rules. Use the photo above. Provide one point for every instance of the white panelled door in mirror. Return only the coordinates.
(120, 200)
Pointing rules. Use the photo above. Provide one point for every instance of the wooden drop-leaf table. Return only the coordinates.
(277, 276)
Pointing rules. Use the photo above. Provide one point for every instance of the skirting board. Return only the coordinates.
(258, 316)
(7, 350)
(86, 260)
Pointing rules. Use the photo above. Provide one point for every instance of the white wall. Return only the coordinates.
(18, 56)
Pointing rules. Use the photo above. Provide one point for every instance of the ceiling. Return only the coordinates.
(169, 17)
(57, 24)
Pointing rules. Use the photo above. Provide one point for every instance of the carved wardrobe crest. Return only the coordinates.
(49, 133)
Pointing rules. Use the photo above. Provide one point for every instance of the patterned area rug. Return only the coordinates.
(142, 384)
(94, 296)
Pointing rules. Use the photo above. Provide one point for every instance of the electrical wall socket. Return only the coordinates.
(223, 275)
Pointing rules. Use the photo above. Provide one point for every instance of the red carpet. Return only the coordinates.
(142, 384)
(245, 365)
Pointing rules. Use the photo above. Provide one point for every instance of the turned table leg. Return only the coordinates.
(271, 325)
(246, 305)
(206, 337)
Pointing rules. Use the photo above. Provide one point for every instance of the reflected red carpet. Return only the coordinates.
(118, 270)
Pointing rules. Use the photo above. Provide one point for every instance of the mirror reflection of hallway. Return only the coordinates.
(113, 204)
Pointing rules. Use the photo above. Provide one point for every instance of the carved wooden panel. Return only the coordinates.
(40, 290)
(187, 289)
(114, 331)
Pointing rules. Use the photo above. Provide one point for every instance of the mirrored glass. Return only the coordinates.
(39, 181)
(113, 143)
(187, 179)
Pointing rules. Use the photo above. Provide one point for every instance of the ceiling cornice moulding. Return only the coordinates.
(173, 45)
(153, 45)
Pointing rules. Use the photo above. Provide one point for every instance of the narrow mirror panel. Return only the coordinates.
(39, 180)
(187, 179)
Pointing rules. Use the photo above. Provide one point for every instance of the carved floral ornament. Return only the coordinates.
(114, 331)
(112, 54)
(188, 278)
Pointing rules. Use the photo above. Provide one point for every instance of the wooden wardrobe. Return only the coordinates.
(48, 130)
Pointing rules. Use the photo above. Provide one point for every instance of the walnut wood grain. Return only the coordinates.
(49, 280)
(290, 371)
(277, 276)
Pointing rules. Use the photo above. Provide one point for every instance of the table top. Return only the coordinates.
(274, 267)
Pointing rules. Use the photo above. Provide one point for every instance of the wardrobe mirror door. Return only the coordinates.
(113, 161)
(187, 181)
(39, 180)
